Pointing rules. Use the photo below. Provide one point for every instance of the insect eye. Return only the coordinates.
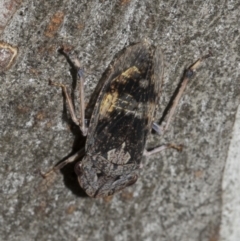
(78, 169)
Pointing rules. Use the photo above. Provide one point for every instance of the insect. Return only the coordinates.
(121, 120)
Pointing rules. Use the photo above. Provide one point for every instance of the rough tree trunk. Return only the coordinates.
(178, 196)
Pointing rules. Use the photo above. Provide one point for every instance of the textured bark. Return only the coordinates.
(178, 195)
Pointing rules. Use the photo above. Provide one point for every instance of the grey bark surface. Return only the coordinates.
(178, 195)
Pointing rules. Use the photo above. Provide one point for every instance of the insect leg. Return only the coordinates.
(187, 76)
(69, 101)
(74, 118)
(158, 128)
(82, 124)
(147, 153)
(76, 121)
(70, 159)
(161, 129)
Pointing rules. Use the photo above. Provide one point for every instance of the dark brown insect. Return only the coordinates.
(122, 118)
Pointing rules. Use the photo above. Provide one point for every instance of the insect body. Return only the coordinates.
(121, 120)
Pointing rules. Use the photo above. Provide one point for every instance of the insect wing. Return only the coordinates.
(125, 107)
